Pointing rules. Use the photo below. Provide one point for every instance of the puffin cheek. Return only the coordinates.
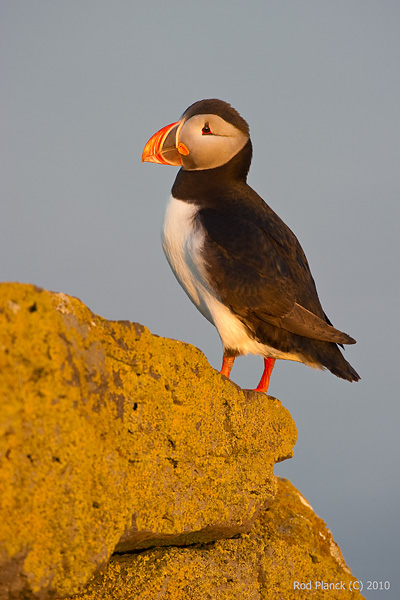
(188, 162)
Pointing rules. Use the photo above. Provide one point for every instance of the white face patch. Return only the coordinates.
(183, 240)
(213, 149)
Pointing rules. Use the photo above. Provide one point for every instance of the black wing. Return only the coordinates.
(261, 272)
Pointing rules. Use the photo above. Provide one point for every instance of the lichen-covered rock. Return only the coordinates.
(111, 437)
(288, 548)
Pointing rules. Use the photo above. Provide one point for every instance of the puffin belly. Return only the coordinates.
(236, 337)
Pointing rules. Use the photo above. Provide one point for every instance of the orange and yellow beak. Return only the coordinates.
(163, 147)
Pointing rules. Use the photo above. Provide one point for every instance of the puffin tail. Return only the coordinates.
(343, 369)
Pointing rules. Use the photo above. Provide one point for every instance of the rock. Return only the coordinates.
(114, 438)
(289, 554)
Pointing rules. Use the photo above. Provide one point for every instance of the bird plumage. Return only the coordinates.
(237, 260)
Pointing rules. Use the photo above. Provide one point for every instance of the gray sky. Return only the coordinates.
(85, 84)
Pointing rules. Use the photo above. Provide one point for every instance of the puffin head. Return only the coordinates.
(208, 135)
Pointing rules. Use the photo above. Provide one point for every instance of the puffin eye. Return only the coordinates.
(206, 129)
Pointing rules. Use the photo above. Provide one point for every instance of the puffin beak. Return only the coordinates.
(161, 147)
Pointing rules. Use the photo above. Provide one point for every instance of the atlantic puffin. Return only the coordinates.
(238, 262)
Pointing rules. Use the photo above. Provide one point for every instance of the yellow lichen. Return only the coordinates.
(288, 544)
(101, 422)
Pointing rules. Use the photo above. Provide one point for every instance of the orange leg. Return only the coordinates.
(264, 381)
(227, 364)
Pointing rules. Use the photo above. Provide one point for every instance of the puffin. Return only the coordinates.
(239, 263)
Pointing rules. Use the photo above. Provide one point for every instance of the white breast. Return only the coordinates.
(183, 241)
